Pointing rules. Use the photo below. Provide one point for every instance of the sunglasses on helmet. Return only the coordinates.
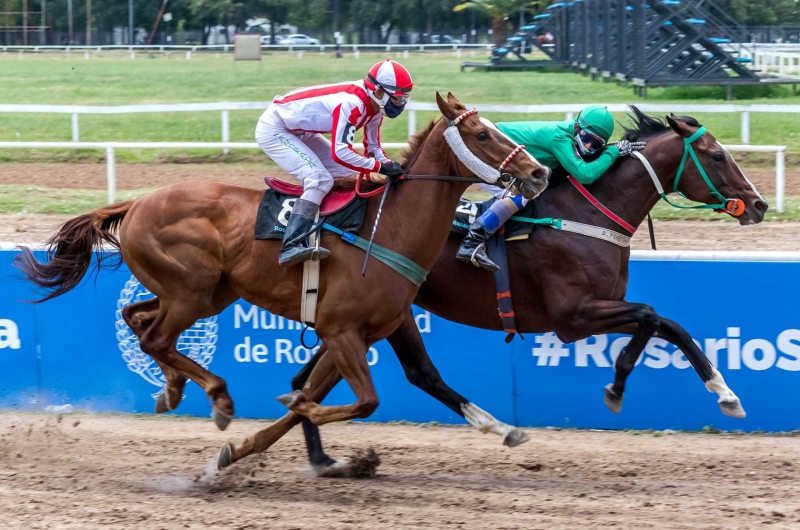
(586, 137)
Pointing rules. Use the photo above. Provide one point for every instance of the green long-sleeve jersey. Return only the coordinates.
(553, 144)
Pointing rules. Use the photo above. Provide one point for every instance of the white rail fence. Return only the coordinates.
(111, 147)
(190, 50)
(569, 110)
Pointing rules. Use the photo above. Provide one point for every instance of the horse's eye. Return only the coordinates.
(482, 136)
(719, 157)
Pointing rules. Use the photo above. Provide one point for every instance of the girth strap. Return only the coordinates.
(579, 228)
(401, 264)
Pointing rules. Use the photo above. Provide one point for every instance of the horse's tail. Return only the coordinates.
(70, 251)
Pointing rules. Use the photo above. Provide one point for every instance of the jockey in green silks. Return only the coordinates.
(554, 144)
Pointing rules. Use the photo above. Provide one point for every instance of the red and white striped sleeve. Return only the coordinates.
(372, 140)
(345, 116)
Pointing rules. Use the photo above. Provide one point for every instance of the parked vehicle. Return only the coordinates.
(445, 39)
(298, 39)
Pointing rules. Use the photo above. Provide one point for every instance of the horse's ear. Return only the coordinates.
(446, 108)
(678, 126)
(456, 104)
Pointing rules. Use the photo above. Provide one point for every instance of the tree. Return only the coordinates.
(499, 10)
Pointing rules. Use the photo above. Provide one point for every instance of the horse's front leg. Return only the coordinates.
(641, 321)
(316, 454)
(348, 352)
(318, 377)
(728, 402)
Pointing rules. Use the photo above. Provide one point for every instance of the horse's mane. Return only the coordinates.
(415, 144)
(409, 155)
(644, 126)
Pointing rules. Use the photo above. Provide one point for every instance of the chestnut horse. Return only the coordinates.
(192, 246)
(568, 283)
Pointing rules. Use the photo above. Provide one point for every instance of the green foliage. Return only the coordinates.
(762, 12)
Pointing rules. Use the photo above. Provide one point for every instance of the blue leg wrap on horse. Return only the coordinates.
(499, 212)
(519, 201)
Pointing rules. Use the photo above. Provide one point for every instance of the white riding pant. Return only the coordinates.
(305, 155)
(498, 193)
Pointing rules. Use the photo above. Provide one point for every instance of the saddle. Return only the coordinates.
(336, 200)
(341, 209)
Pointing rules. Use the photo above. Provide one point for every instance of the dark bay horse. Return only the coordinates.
(192, 246)
(569, 283)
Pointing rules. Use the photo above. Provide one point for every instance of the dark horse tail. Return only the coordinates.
(70, 251)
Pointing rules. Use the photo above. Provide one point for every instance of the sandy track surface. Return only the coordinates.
(120, 472)
(670, 235)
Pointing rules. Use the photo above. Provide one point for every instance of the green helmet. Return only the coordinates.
(597, 120)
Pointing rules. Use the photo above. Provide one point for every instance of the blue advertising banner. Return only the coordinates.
(77, 349)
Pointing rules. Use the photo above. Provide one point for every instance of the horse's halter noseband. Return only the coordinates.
(468, 158)
(734, 207)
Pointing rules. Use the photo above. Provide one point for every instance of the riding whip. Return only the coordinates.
(375, 226)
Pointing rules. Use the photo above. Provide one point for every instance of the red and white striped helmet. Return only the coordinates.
(391, 76)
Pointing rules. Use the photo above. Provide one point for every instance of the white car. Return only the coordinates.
(298, 39)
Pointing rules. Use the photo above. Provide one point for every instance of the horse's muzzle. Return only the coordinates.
(536, 184)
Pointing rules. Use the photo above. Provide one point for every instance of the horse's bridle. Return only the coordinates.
(484, 172)
(734, 207)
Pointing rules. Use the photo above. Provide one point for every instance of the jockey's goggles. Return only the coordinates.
(399, 96)
(587, 138)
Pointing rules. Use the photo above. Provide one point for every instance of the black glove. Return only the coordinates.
(627, 148)
(392, 169)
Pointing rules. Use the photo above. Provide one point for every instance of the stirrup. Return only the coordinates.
(474, 252)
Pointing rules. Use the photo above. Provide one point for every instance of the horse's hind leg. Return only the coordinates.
(159, 339)
(139, 316)
(407, 343)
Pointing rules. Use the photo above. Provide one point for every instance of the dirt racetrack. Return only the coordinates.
(137, 176)
(86, 471)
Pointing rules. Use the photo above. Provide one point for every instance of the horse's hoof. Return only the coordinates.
(612, 400)
(162, 402)
(225, 457)
(289, 399)
(335, 469)
(221, 420)
(362, 464)
(515, 437)
(732, 408)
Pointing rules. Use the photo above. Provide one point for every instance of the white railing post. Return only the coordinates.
(226, 130)
(412, 123)
(76, 137)
(569, 115)
(111, 175)
(780, 179)
(746, 127)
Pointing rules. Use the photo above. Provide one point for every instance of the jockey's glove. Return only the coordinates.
(627, 148)
(392, 169)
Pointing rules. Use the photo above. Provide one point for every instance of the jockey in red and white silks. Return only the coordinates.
(291, 132)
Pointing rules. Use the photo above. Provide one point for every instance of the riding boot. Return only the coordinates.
(301, 223)
(473, 247)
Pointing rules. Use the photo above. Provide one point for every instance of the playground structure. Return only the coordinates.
(660, 43)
